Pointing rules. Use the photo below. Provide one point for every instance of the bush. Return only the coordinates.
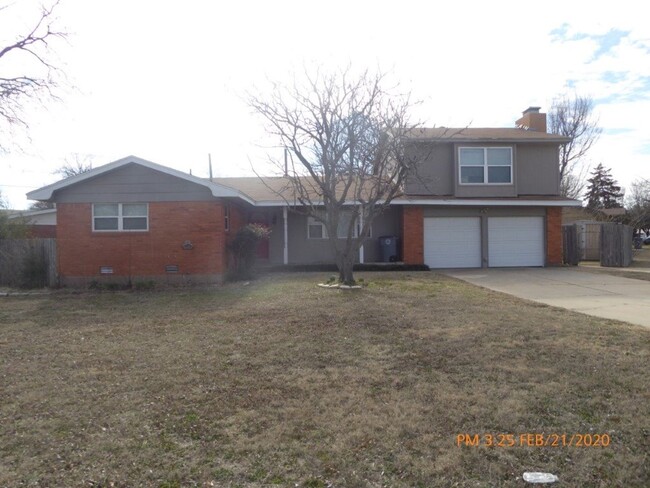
(34, 273)
(144, 285)
(243, 248)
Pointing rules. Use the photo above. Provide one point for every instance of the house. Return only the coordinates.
(40, 223)
(479, 198)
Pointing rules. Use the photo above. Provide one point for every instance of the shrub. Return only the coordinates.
(144, 285)
(243, 248)
(34, 273)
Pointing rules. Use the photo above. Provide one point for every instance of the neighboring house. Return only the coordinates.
(479, 198)
(571, 215)
(40, 223)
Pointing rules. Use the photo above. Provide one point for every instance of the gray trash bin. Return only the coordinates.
(388, 249)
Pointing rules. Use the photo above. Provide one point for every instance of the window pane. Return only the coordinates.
(471, 157)
(105, 209)
(134, 209)
(499, 174)
(471, 174)
(499, 156)
(315, 231)
(344, 221)
(106, 223)
(134, 223)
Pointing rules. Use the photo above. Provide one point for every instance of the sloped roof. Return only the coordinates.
(46, 192)
(273, 190)
(264, 188)
(269, 190)
(485, 134)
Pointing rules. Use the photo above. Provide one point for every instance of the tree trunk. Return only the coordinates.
(346, 264)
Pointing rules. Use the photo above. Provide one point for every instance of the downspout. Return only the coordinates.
(286, 234)
(361, 256)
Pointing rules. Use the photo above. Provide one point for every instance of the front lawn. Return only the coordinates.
(283, 383)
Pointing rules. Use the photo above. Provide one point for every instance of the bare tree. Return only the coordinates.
(14, 228)
(347, 160)
(75, 165)
(573, 117)
(637, 203)
(26, 70)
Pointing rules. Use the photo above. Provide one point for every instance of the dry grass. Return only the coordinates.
(639, 270)
(282, 383)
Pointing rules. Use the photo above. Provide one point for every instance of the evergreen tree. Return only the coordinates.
(603, 191)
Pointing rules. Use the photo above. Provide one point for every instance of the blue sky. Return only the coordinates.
(164, 79)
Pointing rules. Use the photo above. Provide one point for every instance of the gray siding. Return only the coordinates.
(435, 173)
(538, 169)
(317, 251)
(535, 171)
(487, 211)
(387, 224)
(133, 183)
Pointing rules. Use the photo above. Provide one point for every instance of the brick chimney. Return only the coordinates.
(532, 119)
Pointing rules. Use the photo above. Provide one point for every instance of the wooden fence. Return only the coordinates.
(615, 245)
(589, 240)
(570, 245)
(28, 262)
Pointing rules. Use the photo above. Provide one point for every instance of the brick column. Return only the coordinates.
(412, 234)
(553, 236)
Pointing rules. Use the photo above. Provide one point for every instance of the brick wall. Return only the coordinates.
(553, 236)
(138, 255)
(238, 219)
(41, 231)
(412, 235)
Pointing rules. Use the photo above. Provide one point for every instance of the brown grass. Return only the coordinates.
(283, 383)
(639, 270)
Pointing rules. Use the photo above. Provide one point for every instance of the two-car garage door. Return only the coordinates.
(455, 242)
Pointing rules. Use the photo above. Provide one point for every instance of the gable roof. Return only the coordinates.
(485, 134)
(268, 191)
(218, 190)
(259, 189)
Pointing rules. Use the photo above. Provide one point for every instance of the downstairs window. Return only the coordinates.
(120, 217)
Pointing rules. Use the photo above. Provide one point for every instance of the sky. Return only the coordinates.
(167, 80)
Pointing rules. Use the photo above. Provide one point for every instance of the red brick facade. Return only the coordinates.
(553, 236)
(42, 231)
(138, 255)
(412, 235)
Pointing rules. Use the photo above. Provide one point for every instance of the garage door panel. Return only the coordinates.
(452, 242)
(515, 241)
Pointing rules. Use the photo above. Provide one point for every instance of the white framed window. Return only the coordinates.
(485, 165)
(317, 230)
(120, 217)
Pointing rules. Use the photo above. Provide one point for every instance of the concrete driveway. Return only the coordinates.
(595, 294)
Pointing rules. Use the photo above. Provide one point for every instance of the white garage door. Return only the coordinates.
(515, 241)
(452, 242)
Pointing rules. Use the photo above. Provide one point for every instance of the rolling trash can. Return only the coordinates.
(388, 252)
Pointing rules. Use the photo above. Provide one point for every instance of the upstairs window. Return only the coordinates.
(121, 217)
(485, 165)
